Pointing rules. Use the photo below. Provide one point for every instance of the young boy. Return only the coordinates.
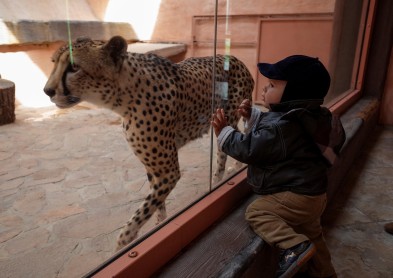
(288, 151)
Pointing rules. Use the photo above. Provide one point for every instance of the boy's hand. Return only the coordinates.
(219, 121)
(245, 109)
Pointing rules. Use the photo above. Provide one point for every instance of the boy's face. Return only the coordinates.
(272, 93)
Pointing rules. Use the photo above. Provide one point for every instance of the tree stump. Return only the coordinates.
(7, 102)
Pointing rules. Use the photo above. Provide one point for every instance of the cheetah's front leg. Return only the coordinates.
(162, 181)
(161, 213)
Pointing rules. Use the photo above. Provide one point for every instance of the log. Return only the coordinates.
(7, 102)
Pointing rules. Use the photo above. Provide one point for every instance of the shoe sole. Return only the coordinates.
(303, 258)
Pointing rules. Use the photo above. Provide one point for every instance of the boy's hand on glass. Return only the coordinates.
(245, 109)
(219, 121)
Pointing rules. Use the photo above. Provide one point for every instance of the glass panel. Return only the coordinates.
(68, 179)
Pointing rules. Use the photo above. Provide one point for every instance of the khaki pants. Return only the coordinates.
(285, 219)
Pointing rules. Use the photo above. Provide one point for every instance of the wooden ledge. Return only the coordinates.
(228, 249)
(38, 32)
(156, 251)
(161, 49)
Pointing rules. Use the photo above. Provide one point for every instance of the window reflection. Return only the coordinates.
(346, 46)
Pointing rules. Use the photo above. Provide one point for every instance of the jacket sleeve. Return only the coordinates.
(262, 145)
(248, 126)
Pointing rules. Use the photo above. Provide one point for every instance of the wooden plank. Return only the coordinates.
(215, 249)
(167, 242)
(243, 260)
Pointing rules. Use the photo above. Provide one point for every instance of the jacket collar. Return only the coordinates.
(296, 104)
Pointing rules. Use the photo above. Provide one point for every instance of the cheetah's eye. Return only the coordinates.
(73, 67)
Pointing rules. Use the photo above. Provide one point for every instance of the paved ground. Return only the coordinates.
(68, 182)
(354, 222)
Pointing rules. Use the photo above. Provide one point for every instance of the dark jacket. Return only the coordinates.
(284, 147)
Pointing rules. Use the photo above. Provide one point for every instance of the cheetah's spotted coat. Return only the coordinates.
(163, 105)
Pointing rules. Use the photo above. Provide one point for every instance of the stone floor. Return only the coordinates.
(68, 182)
(354, 222)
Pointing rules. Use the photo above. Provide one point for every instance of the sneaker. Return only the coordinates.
(292, 259)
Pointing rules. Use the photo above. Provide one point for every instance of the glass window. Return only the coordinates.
(68, 179)
(347, 44)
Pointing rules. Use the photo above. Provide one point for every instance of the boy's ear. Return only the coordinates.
(116, 48)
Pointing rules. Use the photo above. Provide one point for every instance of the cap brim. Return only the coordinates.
(270, 71)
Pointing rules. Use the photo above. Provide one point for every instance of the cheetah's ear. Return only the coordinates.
(116, 47)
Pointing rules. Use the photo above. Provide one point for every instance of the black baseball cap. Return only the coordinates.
(307, 78)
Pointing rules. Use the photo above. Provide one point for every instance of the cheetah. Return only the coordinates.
(163, 106)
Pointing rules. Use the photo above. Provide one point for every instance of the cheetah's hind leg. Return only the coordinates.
(220, 170)
(236, 166)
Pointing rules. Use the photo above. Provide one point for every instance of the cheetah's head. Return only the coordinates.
(94, 67)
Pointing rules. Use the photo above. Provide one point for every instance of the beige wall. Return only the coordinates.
(170, 27)
(29, 65)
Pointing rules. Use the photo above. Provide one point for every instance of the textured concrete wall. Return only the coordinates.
(42, 21)
(178, 27)
(46, 10)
